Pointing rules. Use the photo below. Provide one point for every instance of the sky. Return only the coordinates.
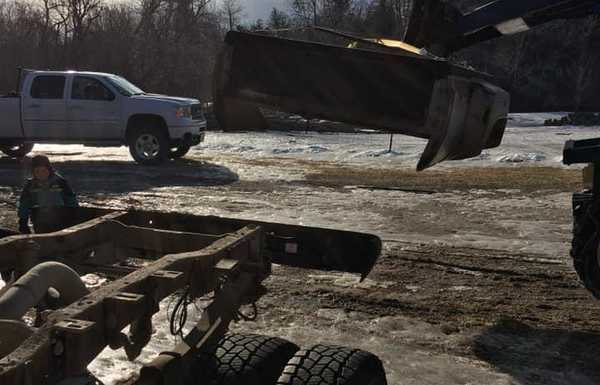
(260, 9)
(253, 9)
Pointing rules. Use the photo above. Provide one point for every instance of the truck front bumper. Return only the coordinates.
(189, 134)
(192, 140)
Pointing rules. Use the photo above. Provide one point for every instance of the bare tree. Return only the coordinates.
(78, 16)
(232, 10)
(73, 20)
(306, 12)
(334, 12)
(401, 10)
(278, 19)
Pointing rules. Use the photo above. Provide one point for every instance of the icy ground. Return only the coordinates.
(525, 141)
(427, 330)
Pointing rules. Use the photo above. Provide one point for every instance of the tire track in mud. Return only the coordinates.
(461, 287)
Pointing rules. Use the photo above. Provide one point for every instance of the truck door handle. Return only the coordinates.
(34, 106)
(76, 108)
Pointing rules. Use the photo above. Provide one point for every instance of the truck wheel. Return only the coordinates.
(584, 247)
(179, 151)
(333, 365)
(247, 359)
(149, 145)
(17, 150)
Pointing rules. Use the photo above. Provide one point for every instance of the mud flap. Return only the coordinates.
(324, 249)
(465, 116)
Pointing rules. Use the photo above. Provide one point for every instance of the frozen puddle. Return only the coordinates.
(349, 281)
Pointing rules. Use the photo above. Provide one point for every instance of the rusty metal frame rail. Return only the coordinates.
(73, 336)
(173, 367)
(104, 235)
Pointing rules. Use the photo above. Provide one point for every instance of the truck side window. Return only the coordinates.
(48, 87)
(90, 89)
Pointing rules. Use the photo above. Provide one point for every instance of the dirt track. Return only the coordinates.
(522, 314)
(474, 285)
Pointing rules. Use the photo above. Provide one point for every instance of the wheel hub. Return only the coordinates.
(147, 146)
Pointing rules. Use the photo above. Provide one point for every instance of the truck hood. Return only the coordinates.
(169, 99)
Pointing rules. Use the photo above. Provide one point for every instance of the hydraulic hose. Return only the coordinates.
(33, 286)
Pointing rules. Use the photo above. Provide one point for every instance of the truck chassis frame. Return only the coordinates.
(230, 265)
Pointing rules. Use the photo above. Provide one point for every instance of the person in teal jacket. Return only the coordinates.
(45, 198)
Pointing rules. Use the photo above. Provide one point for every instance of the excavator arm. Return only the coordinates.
(455, 30)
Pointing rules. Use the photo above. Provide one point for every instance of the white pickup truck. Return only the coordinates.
(97, 109)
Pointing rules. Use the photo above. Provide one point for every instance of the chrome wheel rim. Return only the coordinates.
(147, 146)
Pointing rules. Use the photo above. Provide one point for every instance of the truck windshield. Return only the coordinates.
(123, 86)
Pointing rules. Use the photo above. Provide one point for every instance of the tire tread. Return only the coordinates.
(584, 246)
(248, 359)
(331, 365)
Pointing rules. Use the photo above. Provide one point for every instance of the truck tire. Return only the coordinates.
(243, 359)
(17, 150)
(149, 145)
(179, 151)
(333, 365)
(584, 247)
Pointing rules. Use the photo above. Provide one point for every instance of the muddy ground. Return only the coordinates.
(474, 286)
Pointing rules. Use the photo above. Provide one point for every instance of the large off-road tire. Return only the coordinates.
(584, 247)
(149, 144)
(179, 151)
(333, 365)
(243, 359)
(17, 150)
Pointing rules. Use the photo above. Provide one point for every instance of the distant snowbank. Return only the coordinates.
(533, 120)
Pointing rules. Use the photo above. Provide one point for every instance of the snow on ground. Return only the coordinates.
(525, 143)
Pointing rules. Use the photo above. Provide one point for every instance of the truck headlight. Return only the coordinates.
(183, 112)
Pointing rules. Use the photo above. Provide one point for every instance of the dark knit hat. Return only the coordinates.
(41, 161)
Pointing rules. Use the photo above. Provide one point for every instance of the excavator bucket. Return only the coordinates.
(374, 83)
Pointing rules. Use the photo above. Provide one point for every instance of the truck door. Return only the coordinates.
(93, 110)
(44, 108)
